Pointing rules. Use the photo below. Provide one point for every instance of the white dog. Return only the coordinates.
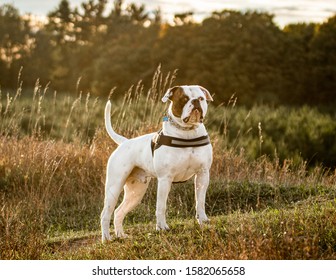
(179, 151)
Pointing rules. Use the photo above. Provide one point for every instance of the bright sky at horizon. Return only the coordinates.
(285, 11)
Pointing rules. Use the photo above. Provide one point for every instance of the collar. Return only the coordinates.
(169, 119)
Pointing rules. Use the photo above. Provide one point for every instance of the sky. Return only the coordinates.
(285, 11)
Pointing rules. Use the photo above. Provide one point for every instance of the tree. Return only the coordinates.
(296, 64)
(323, 59)
(63, 41)
(90, 21)
(243, 50)
(60, 22)
(137, 14)
(183, 18)
(15, 40)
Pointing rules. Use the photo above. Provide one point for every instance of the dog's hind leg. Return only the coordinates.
(113, 188)
(134, 190)
(112, 193)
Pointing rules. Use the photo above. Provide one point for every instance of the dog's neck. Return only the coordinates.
(175, 123)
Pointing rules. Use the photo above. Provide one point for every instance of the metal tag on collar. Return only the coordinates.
(165, 119)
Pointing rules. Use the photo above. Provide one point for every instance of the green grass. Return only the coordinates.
(53, 153)
(301, 231)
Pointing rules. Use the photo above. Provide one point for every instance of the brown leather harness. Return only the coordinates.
(160, 139)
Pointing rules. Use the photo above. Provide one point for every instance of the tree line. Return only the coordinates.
(91, 48)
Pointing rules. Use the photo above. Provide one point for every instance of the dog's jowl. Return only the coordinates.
(180, 151)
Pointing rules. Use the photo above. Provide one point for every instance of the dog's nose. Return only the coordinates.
(196, 103)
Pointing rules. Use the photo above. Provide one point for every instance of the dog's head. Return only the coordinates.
(188, 103)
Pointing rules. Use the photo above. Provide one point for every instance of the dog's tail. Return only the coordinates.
(115, 136)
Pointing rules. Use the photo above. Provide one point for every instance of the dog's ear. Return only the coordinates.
(168, 95)
(208, 96)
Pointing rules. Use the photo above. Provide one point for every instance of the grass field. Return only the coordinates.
(265, 200)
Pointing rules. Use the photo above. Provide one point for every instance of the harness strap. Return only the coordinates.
(161, 139)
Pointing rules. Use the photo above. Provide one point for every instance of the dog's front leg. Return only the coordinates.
(164, 185)
(201, 186)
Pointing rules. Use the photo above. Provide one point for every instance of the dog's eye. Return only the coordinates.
(200, 98)
(185, 99)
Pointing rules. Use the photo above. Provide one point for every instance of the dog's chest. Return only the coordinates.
(190, 157)
(190, 163)
(182, 163)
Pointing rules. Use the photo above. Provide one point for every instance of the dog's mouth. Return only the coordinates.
(195, 116)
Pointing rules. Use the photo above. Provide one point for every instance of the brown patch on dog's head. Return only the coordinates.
(178, 98)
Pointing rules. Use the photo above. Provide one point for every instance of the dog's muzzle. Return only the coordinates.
(196, 111)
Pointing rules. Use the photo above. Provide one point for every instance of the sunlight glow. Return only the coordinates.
(285, 11)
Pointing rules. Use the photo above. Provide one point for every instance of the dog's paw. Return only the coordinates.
(162, 226)
(121, 234)
(106, 237)
(203, 220)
